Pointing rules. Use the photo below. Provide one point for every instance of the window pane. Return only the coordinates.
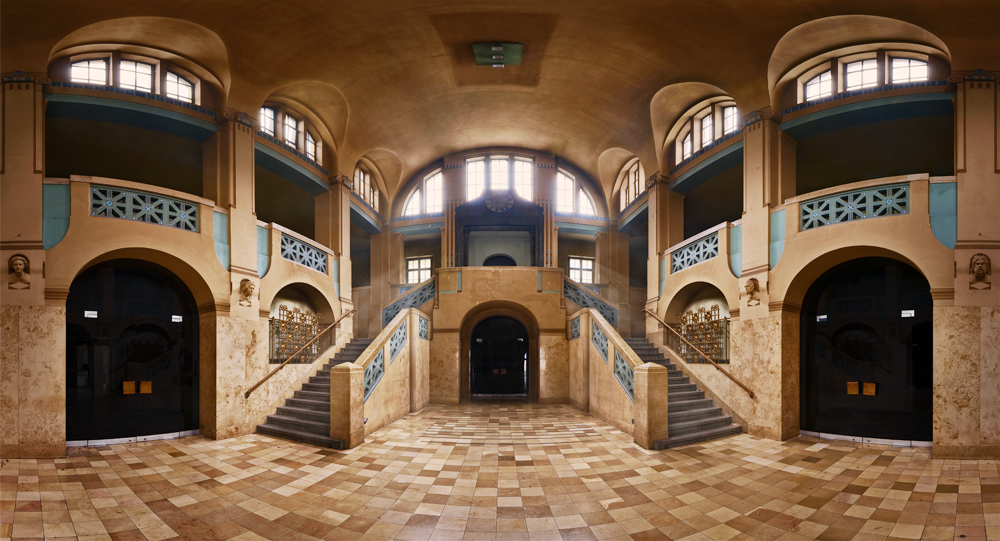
(861, 74)
(564, 192)
(179, 88)
(136, 75)
(499, 178)
(291, 131)
(687, 146)
(522, 178)
(586, 205)
(586, 277)
(435, 195)
(728, 120)
(310, 147)
(574, 275)
(587, 264)
(267, 120)
(707, 130)
(906, 70)
(93, 72)
(819, 86)
(475, 178)
(413, 205)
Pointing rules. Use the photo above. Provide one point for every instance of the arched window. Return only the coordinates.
(432, 189)
(134, 72)
(364, 186)
(631, 183)
(571, 197)
(819, 86)
(859, 70)
(498, 172)
(295, 132)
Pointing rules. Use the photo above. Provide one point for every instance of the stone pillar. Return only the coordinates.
(454, 195)
(347, 404)
(613, 274)
(650, 409)
(967, 327)
(545, 195)
(666, 228)
(333, 230)
(386, 269)
(32, 318)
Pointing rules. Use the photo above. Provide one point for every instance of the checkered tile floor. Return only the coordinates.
(499, 472)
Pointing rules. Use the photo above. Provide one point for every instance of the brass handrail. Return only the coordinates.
(709, 359)
(298, 351)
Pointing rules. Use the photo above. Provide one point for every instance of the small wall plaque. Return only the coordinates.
(852, 387)
(146, 387)
(870, 388)
(128, 387)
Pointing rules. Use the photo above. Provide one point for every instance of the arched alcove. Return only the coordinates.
(495, 309)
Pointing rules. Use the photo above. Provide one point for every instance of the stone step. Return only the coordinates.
(314, 395)
(317, 387)
(697, 437)
(677, 405)
(682, 388)
(299, 424)
(306, 404)
(692, 414)
(302, 437)
(676, 380)
(318, 416)
(699, 425)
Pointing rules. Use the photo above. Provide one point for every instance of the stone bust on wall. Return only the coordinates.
(752, 288)
(18, 272)
(246, 292)
(980, 270)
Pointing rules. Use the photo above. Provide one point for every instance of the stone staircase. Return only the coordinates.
(692, 417)
(306, 416)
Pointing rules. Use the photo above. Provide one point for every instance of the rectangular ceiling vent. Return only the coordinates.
(497, 54)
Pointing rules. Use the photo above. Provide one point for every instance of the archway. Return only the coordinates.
(520, 317)
(298, 312)
(866, 349)
(131, 353)
(498, 359)
(499, 260)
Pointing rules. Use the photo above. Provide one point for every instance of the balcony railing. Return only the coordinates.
(891, 200)
(696, 251)
(299, 251)
(134, 205)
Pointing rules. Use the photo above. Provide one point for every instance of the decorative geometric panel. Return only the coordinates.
(373, 374)
(291, 330)
(706, 330)
(600, 340)
(696, 252)
(414, 298)
(585, 299)
(625, 375)
(423, 328)
(143, 207)
(574, 328)
(857, 205)
(396, 342)
(302, 253)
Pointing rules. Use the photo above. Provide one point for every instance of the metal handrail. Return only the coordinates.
(695, 348)
(297, 352)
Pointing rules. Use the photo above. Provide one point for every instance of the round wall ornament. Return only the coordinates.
(499, 201)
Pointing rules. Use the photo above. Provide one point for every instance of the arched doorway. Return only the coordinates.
(498, 359)
(131, 353)
(499, 260)
(866, 350)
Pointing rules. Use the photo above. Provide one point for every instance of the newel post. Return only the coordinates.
(650, 408)
(347, 404)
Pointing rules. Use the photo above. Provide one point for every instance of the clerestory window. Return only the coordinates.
(631, 184)
(432, 190)
(179, 88)
(291, 131)
(94, 72)
(729, 120)
(135, 75)
(267, 117)
(908, 70)
(820, 86)
(861, 74)
(364, 185)
(499, 172)
(571, 197)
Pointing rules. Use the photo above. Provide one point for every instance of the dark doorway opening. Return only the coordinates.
(131, 353)
(499, 359)
(499, 260)
(867, 348)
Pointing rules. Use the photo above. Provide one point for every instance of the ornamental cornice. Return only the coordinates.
(236, 116)
(342, 179)
(656, 178)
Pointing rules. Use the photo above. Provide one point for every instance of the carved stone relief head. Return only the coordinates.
(18, 272)
(246, 291)
(980, 267)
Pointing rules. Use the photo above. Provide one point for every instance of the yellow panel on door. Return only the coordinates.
(852, 387)
(145, 387)
(870, 388)
(128, 387)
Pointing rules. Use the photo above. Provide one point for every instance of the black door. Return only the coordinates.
(132, 353)
(866, 352)
(499, 359)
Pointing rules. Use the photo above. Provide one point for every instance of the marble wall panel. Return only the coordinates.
(391, 398)
(8, 381)
(444, 368)
(956, 378)
(989, 381)
(553, 369)
(608, 401)
(41, 394)
(579, 367)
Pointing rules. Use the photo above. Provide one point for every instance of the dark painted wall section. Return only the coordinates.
(879, 149)
(638, 255)
(102, 149)
(284, 203)
(361, 257)
(717, 200)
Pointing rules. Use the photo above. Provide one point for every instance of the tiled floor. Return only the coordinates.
(500, 472)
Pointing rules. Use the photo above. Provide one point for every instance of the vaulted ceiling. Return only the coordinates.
(406, 72)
